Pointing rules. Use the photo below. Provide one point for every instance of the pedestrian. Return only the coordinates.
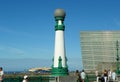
(1, 74)
(25, 78)
(96, 73)
(102, 78)
(78, 77)
(97, 76)
(109, 75)
(113, 76)
(105, 75)
(83, 76)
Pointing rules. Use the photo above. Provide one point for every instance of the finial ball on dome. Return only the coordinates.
(59, 13)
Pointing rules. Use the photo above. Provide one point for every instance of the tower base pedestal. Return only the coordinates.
(56, 71)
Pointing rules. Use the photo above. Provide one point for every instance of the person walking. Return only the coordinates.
(97, 76)
(78, 77)
(109, 75)
(83, 76)
(113, 76)
(1, 74)
(105, 75)
(25, 78)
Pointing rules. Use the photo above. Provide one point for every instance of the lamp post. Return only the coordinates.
(117, 58)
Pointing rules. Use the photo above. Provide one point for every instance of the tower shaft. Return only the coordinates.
(59, 48)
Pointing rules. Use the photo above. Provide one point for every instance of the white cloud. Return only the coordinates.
(13, 31)
(15, 50)
(12, 50)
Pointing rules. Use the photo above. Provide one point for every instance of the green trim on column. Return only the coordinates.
(66, 61)
(59, 18)
(60, 62)
(56, 71)
(59, 27)
(53, 61)
(59, 71)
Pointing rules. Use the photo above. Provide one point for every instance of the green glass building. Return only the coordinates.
(98, 47)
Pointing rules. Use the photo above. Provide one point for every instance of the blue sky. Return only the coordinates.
(27, 29)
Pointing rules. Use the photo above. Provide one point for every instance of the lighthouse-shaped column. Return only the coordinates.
(59, 67)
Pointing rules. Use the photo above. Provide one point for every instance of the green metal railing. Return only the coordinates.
(17, 79)
(89, 78)
(30, 79)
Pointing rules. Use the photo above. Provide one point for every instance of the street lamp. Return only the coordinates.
(117, 58)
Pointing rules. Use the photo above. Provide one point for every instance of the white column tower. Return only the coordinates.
(59, 67)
